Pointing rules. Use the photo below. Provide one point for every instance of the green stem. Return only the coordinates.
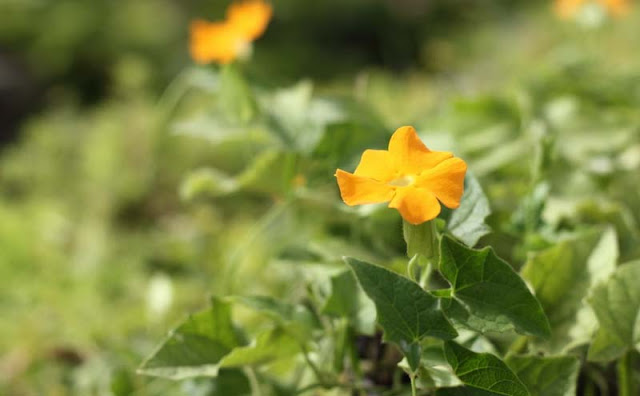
(413, 267)
(426, 274)
(589, 388)
(598, 379)
(414, 390)
(341, 341)
(253, 381)
(519, 345)
(316, 370)
(626, 383)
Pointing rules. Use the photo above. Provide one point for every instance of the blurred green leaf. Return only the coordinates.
(206, 182)
(343, 300)
(346, 299)
(619, 216)
(202, 78)
(296, 319)
(481, 373)
(121, 382)
(617, 307)
(231, 382)
(269, 345)
(228, 381)
(216, 130)
(528, 215)
(562, 276)
(235, 97)
(467, 222)
(270, 172)
(502, 157)
(343, 142)
(547, 376)
(406, 312)
(298, 118)
(196, 347)
(491, 290)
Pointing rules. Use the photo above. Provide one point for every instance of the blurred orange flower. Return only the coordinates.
(409, 175)
(617, 7)
(225, 41)
(568, 8)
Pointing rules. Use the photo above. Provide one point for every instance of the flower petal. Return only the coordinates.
(249, 18)
(212, 42)
(446, 181)
(416, 205)
(358, 190)
(410, 155)
(377, 165)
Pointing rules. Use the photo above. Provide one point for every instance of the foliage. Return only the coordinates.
(219, 202)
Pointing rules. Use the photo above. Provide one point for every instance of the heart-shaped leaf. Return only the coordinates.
(490, 290)
(481, 373)
(405, 311)
(617, 307)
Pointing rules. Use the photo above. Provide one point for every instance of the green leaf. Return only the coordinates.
(405, 311)
(617, 306)
(206, 182)
(271, 172)
(343, 300)
(217, 130)
(296, 319)
(562, 277)
(481, 373)
(269, 345)
(228, 382)
(348, 300)
(195, 348)
(464, 391)
(236, 99)
(298, 118)
(231, 382)
(463, 318)
(202, 78)
(435, 371)
(343, 142)
(121, 382)
(595, 211)
(528, 215)
(467, 222)
(490, 290)
(547, 376)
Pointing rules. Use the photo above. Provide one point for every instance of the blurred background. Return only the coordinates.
(103, 246)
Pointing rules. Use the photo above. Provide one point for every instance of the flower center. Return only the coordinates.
(403, 181)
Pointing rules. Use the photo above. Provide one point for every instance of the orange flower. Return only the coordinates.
(409, 175)
(249, 18)
(569, 8)
(213, 42)
(616, 7)
(225, 41)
